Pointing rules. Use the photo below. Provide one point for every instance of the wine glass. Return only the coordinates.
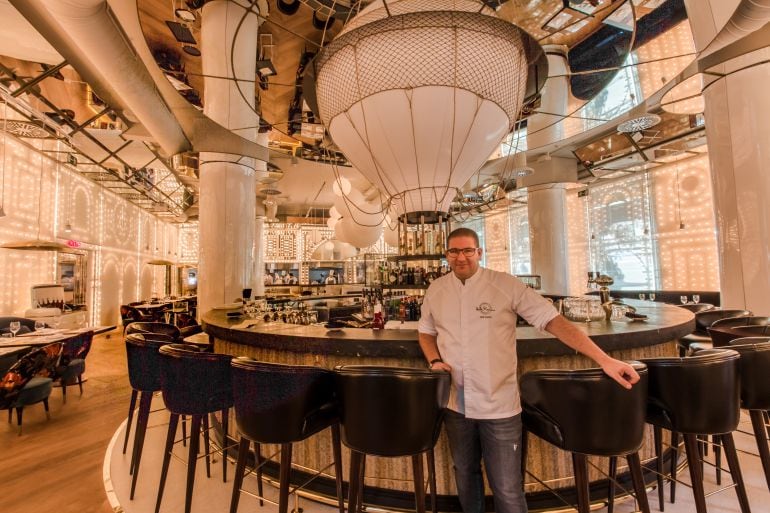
(39, 325)
(652, 296)
(695, 298)
(683, 300)
(642, 296)
(15, 326)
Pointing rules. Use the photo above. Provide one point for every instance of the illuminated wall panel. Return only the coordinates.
(497, 238)
(42, 197)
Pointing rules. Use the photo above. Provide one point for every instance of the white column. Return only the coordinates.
(259, 257)
(547, 211)
(547, 202)
(227, 200)
(737, 109)
(543, 129)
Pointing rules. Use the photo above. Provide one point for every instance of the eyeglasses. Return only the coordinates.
(454, 252)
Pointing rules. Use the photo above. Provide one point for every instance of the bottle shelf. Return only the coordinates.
(403, 286)
(412, 258)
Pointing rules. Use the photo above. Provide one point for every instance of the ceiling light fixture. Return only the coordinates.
(638, 124)
(288, 8)
(185, 14)
(265, 68)
(191, 50)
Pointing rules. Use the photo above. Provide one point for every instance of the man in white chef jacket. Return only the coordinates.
(468, 328)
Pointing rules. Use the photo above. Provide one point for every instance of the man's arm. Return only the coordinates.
(570, 335)
(429, 347)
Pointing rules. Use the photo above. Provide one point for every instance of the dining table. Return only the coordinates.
(45, 336)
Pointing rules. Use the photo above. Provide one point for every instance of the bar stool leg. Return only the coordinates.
(258, 460)
(353, 485)
(172, 424)
(285, 475)
(692, 450)
(192, 460)
(580, 466)
(657, 433)
(131, 407)
(635, 466)
(735, 471)
(225, 424)
(757, 423)
(206, 443)
(674, 461)
(717, 441)
(337, 451)
(361, 478)
(240, 467)
(613, 473)
(141, 430)
(432, 477)
(419, 483)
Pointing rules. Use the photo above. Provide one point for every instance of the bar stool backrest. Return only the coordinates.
(195, 383)
(143, 361)
(751, 320)
(697, 307)
(276, 403)
(695, 395)
(160, 328)
(755, 369)
(704, 319)
(576, 408)
(391, 411)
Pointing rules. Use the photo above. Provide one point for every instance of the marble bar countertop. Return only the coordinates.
(664, 323)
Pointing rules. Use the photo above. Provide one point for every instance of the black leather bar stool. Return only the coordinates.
(722, 336)
(195, 384)
(697, 307)
(391, 412)
(755, 390)
(703, 320)
(282, 404)
(697, 395)
(569, 408)
(156, 328)
(143, 362)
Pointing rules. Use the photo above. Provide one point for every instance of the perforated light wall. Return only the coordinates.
(42, 196)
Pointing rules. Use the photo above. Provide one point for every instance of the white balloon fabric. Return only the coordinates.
(353, 206)
(363, 236)
(341, 185)
(418, 95)
(390, 235)
(332, 222)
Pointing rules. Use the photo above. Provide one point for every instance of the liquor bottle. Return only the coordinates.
(378, 322)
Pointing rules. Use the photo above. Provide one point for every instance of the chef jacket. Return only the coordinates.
(475, 326)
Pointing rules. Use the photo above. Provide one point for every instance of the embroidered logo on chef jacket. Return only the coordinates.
(485, 310)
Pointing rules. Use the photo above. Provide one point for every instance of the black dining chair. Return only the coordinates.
(130, 314)
(391, 412)
(30, 381)
(569, 408)
(73, 362)
(195, 384)
(282, 404)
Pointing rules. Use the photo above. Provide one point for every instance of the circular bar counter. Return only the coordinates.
(389, 480)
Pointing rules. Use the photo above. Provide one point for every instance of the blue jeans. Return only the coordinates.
(498, 442)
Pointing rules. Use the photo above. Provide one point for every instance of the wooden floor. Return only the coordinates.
(56, 464)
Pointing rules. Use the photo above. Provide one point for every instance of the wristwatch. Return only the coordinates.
(435, 360)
